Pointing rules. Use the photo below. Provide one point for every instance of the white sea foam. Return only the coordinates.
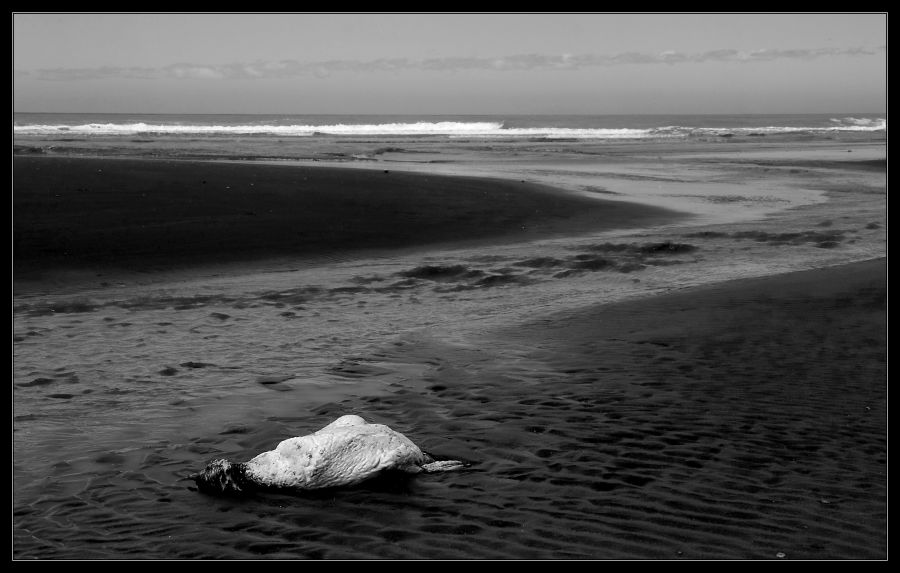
(419, 128)
(860, 123)
(445, 128)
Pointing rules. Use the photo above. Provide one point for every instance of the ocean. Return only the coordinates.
(597, 127)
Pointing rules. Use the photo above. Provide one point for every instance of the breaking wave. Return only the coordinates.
(444, 128)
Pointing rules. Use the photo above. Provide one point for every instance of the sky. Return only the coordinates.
(300, 63)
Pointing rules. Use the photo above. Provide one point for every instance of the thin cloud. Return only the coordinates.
(284, 69)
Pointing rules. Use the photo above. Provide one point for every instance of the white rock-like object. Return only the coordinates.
(345, 452)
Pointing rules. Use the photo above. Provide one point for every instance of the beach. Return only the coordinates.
(644, 349)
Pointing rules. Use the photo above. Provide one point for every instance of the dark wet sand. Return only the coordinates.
(745, 420)
(742, 420)
(739, 420)
(152, 214)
